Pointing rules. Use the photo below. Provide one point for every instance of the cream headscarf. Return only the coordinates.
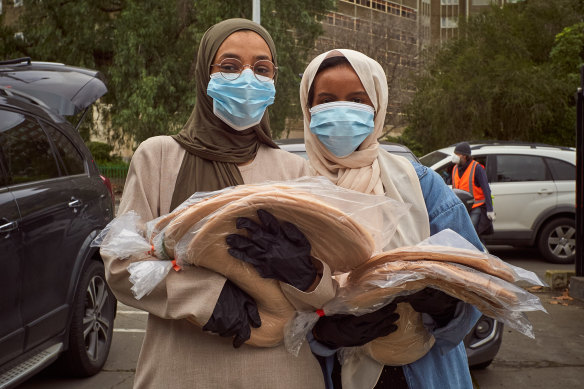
(360, 170)
(368, 170)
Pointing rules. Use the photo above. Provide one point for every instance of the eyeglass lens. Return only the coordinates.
(231, 68)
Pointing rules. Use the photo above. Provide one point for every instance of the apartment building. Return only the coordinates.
(439, 18)
(386, 31)
(11, 10)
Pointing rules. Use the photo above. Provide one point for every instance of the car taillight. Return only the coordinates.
(108, 184)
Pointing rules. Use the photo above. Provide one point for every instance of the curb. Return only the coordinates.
(577, 288)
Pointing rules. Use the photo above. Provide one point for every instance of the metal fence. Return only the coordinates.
(116, 174)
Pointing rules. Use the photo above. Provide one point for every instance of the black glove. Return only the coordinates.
(348, 330)
(276, 251)
(434, 302)
(234, 312)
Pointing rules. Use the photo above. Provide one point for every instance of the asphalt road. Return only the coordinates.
(554, 359)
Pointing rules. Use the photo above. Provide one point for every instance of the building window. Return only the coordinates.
(481, 2)
(448, 22)
(344, 21)
(449, 2)
(18, 3)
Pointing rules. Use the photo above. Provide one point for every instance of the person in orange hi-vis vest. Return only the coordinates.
(470, 176)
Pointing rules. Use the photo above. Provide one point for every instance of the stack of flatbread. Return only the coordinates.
(196, 235)
(472, 276)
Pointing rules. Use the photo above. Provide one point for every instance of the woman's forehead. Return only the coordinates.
(243, 44)
(338, 77)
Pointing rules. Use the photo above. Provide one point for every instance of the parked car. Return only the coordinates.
(534, 194)
(296, 146)
(482, 343)
(55, 302)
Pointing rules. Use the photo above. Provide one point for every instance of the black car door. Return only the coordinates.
(12, 333)
(48, 212)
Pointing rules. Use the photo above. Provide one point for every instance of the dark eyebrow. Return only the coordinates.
(230, 55)
(326, 94)
(360, 93)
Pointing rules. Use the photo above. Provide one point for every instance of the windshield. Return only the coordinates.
(432, 158)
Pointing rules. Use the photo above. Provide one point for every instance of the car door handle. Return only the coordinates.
(10, 226)
(545, 191)
(74, 203)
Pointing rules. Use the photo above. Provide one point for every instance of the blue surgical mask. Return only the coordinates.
(241, 103)
(342, 126)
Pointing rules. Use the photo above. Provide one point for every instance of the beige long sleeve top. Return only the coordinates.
(176, 353)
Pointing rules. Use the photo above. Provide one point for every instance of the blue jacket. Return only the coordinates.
(445, 365)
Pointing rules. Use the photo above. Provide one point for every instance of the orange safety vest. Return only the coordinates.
(466, 182)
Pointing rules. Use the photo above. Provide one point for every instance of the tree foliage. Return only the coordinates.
(147, 51)
(510, 76)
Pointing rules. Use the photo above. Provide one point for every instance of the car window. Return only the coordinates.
(446, 173)
(69, 154)
(433, 157)
(517, 168)
(482, 159)
(4, 181)
(27, 154)
(409, 156)
(561, 170)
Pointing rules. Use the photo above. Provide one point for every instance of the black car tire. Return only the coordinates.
(94, 313)
(482, 365)
(557, 241)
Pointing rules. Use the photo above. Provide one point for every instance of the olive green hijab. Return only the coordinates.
(213, 148)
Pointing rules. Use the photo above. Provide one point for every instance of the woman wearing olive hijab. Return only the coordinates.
(344, 97)
(225, 142)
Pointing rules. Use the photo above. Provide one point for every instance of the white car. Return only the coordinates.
(534, 194)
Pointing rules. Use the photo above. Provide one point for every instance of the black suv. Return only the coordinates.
(55, 303)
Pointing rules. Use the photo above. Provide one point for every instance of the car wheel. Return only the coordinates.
(557, 241)
(90, 335)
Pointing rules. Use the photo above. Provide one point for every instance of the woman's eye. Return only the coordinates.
(357, 100)
(261, 70)
(229, 67)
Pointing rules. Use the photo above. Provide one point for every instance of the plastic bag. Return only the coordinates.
(388, 276)
(122, 237)
(447, 243)
(344, 227)
(145, 275)
(410, 342)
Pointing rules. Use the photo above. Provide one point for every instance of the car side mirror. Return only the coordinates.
(466, 198)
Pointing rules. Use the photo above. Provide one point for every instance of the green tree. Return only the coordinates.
(499, 79)
(147, 49)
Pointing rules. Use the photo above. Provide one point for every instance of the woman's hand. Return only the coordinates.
(337, 331)
(276, 251)
(234, 314)
(435, 303)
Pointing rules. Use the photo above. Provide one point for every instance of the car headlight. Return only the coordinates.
(483, 328)
(484, 331)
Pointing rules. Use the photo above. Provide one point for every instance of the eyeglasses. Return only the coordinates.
(230, 68)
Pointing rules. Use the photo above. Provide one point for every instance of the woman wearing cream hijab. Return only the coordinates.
(344, 97)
